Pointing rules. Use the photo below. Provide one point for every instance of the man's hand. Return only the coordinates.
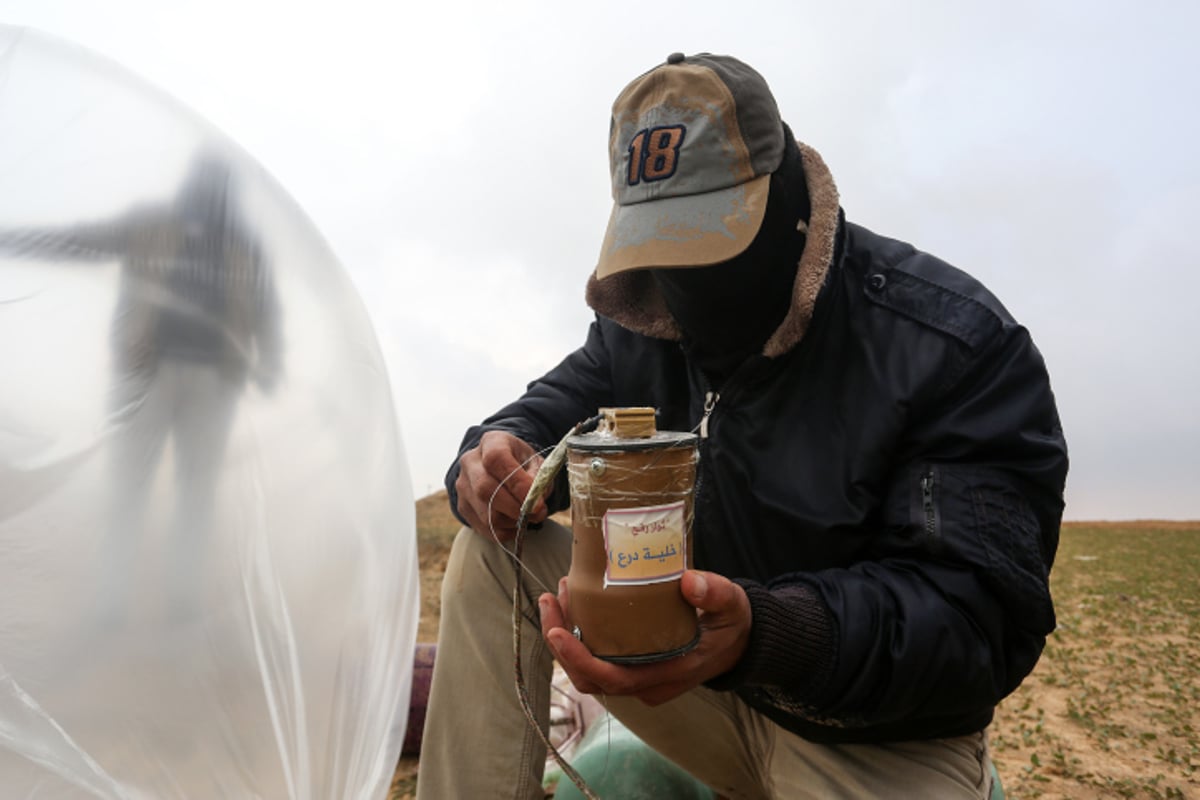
(498, 473)
(724, 634)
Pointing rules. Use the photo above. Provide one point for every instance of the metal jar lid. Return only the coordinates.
(605, 442)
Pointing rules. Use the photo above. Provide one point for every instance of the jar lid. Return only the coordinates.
(605, 441)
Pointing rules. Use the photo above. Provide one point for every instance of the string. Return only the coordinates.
(492, 525)
(545, 475)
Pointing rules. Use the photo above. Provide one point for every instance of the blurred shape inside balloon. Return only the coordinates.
(208, 585)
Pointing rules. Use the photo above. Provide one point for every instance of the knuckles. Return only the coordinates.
(493, 458)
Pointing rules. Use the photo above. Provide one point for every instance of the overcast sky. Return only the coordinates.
(454, 156)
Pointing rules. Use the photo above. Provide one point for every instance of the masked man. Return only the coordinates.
(880, 492)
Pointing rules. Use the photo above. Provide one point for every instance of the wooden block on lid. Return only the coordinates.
(632, 422)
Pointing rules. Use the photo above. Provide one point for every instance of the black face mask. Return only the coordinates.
(728, 310)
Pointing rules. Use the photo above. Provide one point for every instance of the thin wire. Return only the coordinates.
(492, 525)
(545, 475)
(608, 718)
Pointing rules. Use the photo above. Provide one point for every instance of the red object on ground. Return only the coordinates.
(422, 673)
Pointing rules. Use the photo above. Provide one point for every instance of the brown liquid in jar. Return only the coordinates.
(631, 478)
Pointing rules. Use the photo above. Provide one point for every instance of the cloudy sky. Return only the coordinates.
(454, 156)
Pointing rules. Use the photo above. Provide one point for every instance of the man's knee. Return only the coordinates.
(480, 563)
(470, 560)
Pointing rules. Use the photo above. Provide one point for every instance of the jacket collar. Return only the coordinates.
(632, 300)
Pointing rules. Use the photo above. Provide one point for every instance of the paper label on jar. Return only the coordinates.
(645, 545)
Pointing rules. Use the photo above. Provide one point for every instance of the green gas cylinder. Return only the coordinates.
(617, 764)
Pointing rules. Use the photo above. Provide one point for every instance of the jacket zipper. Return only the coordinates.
(710, 401)
(927, 483)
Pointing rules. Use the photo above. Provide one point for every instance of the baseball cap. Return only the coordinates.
(692, 144)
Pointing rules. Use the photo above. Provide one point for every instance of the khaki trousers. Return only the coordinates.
(477, 743)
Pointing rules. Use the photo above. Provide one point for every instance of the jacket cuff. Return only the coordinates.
(452, 491)
(792, 645)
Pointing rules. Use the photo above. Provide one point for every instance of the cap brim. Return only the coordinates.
(686, 231)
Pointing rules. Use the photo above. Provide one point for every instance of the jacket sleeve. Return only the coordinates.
(95, 241)
(551, 406)
(949, 610)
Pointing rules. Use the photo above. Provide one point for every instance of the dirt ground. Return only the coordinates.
(1113, 708)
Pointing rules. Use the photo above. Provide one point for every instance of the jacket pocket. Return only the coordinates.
(924, 507)
(930, 517)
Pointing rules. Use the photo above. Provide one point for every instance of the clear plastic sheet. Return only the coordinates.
(208, 573)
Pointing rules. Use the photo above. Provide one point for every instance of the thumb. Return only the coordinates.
(708, 591)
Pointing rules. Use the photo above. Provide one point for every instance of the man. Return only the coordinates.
(197, 317)
(881, 476)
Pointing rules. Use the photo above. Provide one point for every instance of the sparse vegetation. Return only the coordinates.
(1113, 708)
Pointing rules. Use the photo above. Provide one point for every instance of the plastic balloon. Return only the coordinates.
(208, 573)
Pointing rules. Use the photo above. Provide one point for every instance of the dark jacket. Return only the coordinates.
(885, 481)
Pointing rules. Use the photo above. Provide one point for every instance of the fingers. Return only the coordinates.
(653, 683)
(551, 613)
(725, 618)
(475, 489)
(594, 675)
(564, 598)
(493, 480)
(554, 630)
(725, 622)
(575, 658)
(711, 592)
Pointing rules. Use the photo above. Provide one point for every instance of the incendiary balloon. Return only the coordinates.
(207, 547)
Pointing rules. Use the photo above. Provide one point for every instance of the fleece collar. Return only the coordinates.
(632, 300)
